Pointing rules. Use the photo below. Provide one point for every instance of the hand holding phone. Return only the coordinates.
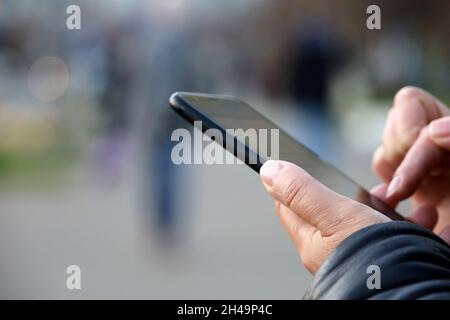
(316, 218)
(228, 115)
(318, 205)
(309, 209)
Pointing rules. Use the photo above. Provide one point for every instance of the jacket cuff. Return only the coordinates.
(393, 260)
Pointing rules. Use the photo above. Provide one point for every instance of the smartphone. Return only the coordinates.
(231, 116)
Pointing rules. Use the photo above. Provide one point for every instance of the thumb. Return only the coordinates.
(439, 132)
(314, 203)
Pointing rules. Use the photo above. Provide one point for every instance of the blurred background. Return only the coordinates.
(85, 170)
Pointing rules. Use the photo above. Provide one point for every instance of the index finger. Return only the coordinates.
(417, 165)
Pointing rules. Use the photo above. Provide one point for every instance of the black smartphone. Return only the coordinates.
(233, 119)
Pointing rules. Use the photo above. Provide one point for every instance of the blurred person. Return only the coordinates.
(175, 63)
(316, 53)
(338, 239)
(12, 47)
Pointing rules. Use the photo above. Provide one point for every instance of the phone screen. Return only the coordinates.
(225, 113)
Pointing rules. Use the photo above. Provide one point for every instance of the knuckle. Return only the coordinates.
(399, 140)
(407, 93)
(407, 138)
(339, 221)
(411, 99)
(392, 153)
(293, 192)
(344, 223)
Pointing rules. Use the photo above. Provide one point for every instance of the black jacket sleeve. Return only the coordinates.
(413, 264)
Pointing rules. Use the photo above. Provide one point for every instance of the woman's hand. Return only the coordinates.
(414, 160)
(316, 218)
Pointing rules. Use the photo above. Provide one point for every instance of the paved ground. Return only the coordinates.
(226, 253)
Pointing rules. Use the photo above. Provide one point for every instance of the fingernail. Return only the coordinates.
(269, 171)
(439, 129)
(394, 186)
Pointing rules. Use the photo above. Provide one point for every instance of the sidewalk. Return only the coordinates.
(228, 253)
